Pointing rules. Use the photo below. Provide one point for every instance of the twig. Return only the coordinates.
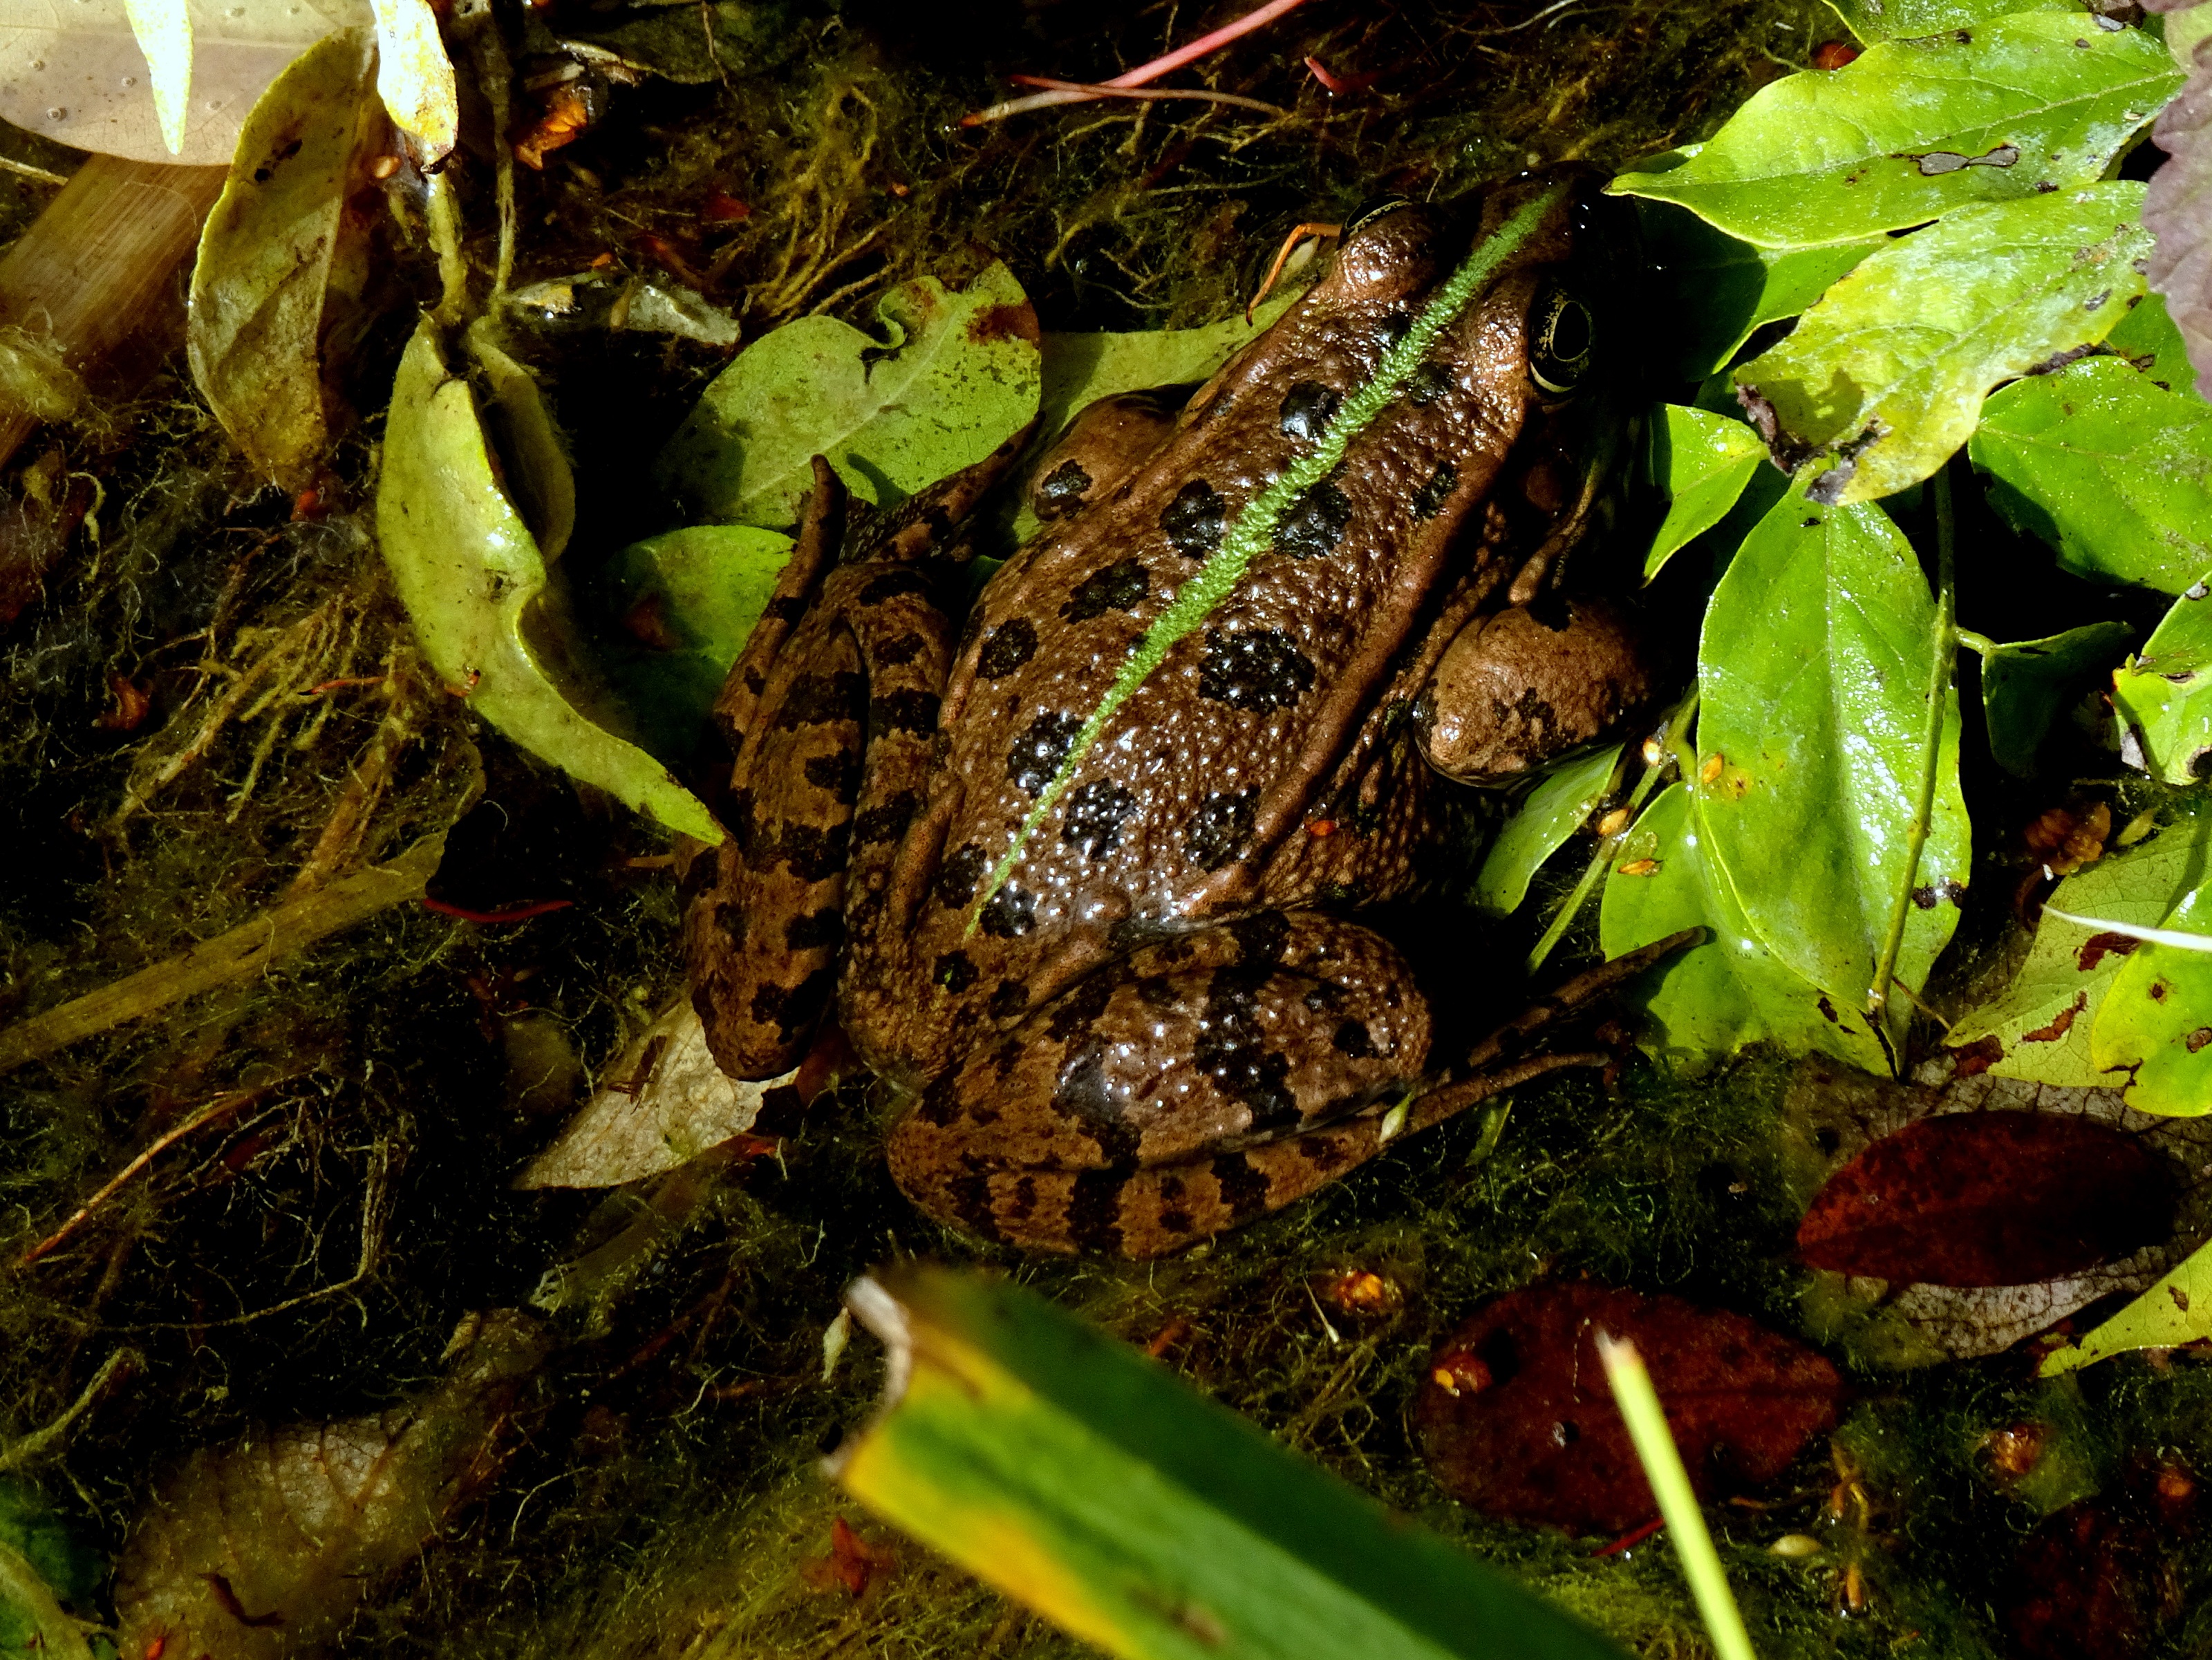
(33, 1445)
(241, 954)
(1143, 73)
(1946, 648)
(1195, 94)
(221, 1106)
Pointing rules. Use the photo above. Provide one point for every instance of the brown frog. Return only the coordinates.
(1108, 956)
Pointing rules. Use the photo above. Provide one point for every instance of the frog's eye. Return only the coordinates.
(1561, 334)
(1372, 210)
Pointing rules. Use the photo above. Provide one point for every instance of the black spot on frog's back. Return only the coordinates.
(1258, 671)
(1308, 407)
(1038, 752)
(1119, 587)
(1062, 490)
(959, 877)
(1193, 520)
(1315, 521)
(1095, 814)
(1219, 831)
(1009, 913)
(1010, 645)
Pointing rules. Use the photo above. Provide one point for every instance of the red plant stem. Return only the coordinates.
(1143, 72)
(1102, 89)
(512, 913)
(1630, 1540)
(219, 1107)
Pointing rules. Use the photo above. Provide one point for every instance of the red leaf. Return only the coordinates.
(1516, 1419)
(1989, 1199)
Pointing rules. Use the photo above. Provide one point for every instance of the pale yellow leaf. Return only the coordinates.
(415, 77)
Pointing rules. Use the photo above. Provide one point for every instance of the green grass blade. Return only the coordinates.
(1670, 1486)
(1084, 1479)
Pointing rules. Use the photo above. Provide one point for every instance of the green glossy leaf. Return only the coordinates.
(1906, 20)
(2038, 1028)
(1080, 369)
(1915, 129)
(2156, 1018)
(1885, 376)
(475, 586)
(1707, 1003)
(1814, 667)
(1702, 461)
(2164, 696)
(2025, 683)
(1084, 1479)
(2146, 337)
(1555, 810)
(954, 376)
(1717, 289)
(2113, 469)
(537, 472)
(2178, 1310)
(689, 600)
(265, 256)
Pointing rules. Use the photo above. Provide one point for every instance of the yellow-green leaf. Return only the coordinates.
(415, 78)
(2177, 1310)
(473, 582)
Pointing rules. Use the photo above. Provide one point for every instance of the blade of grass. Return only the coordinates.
(1670, 1486)
(1084, 1479)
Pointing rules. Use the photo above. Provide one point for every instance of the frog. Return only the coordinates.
(1110, 956)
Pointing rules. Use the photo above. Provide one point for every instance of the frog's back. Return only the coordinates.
(1184, 805)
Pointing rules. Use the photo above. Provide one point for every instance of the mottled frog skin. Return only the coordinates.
(1164, 1022)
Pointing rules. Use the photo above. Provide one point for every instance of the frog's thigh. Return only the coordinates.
(1183, 1061)
(1523, 685)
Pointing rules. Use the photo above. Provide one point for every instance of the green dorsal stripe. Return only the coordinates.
(1253, 528)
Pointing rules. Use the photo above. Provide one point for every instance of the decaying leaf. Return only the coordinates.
(415, 78)
(2155, 1028)
(2176, 1310)
(2105, 1579)
(954, 377)
(163, 29)
(77, 74)
(1832, 1115)
(1989, 1199)
(1885, 376)
(1516, 1421)
(661, 1103)
(2178, 210)
(266, 1547)
(265, 256)
(470, 575)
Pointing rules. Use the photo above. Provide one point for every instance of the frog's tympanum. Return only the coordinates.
(1080, 881)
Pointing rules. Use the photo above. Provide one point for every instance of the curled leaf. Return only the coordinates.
(265, 256)
(2164, 696)
(1885, 378)
(1516, 1420)
(2025, 683)
(954, 376)
(1555, 810)
(265, 1548)
(415, 78)
(471, 577)
(1702, 461)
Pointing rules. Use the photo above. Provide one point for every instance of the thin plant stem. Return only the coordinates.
(1670, 1486)
(1677, 728)
(1194, 94)
(35, 1446)
(1944, 659)
(221, 1106)
(1143, 72)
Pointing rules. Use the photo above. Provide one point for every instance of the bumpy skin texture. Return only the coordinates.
(1151, 1030)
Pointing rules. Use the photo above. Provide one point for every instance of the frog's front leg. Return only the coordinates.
(1517, 687)
(1129, 1114)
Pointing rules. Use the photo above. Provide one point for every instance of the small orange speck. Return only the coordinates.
(1711, 770)
(1653, 752)
(1461, 1373)
(1322, 827)
(901, 190)
(1834, 54)
(1443, 1379)
(603, 261)
(1639, 867)
(723, 209)
(155, 1648)
(383, 167)
(1613, 822)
